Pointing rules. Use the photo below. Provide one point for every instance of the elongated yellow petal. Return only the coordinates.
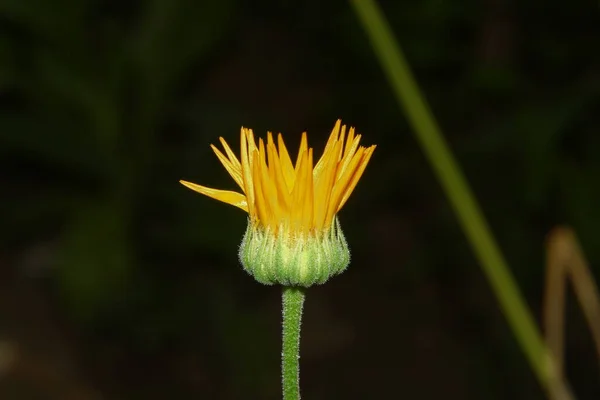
(269, 190)
(234, 160)
(226, 196)
(333, 138)
(283, 194)
(308, 208)
(349, 141)
(262, 207)
(251, 143)
(247, 174)
(324, 182)
(235, 172)
(298, 192)
(349, 153)
(338, 155)
(303, 148)
(270, 161)
(339, 188)
(357, 175)
(287, 167)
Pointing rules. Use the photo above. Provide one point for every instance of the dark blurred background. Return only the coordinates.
(116, 282)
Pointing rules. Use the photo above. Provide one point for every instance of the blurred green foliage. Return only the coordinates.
(106, 104)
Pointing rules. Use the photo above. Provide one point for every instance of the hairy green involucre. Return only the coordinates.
(291, 260)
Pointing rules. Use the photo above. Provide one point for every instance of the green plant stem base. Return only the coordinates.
(293, 301)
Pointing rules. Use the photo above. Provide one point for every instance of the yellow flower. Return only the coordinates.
(292, 207)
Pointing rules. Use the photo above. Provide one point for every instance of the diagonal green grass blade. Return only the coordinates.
(461, 198)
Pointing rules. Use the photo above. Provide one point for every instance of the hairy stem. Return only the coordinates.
(293, 300)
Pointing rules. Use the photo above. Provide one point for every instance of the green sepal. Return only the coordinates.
(293, 260)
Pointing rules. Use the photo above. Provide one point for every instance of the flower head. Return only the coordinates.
(293, 237)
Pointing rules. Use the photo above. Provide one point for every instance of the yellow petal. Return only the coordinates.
(234, 160)
(308, 209)
(349, 153)
(286, 164)
(283, 194)
(333, 138)
(324, 182)
(349, 141)
(341, 139)
(301, 150)
(247, 173)
(226, 196)
(235, 172)
(270, 162)
(268, 186)
(339, 188)
(299, 191)
(262, 208)
(357, 175)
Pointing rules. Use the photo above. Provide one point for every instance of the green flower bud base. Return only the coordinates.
(294, 260)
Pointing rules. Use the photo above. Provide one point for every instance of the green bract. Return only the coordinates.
(293, 260)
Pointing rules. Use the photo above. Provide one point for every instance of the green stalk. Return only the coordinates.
(461, 198)
(293, 300)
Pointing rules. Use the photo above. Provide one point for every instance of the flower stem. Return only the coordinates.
(293, 300)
